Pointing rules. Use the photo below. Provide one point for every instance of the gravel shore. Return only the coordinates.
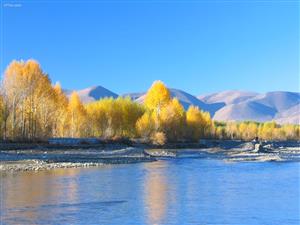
(36, 165)
(36, 157)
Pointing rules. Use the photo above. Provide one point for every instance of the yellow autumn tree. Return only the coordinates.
(76, 115)
(157, 97)
(97, 121)
(172, 118)
(232, 130)
(221, 132)
(164, 119)
(46, 105)
(4, 114)
(145, 125)
(130, 113)
(247, 130)
(60, 128)
(279, 134)
(207, 126)
(196, 123)
(290, 131)
(243, 130)
(252, 130)
(12, 88)
(266, 130)
(29, 100)
(114, 118)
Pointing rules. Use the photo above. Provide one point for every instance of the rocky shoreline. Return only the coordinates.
(35, 157)
(37, 165)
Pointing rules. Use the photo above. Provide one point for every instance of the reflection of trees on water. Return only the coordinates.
(155, 192)
(27, 194)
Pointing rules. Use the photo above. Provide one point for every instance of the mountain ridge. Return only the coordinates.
(93, 93)
(230, 105)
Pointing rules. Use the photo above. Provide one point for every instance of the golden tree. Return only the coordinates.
(4, 113)
(76, 115)
(252, 130)
(232, 130)
(199, 123)
(130, 113)
(243, 130)
(97, 121)
(145, 125)
(173, 120)
(29, 100)
(291, 131)
(60, 128)
(114, 118)
(157, 96)
(194, 122)
(266, 130)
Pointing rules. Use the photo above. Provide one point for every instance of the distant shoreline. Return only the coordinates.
(105, 145)
(120, 144)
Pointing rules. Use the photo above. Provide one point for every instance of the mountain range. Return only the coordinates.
(280, 106)
(91, 94)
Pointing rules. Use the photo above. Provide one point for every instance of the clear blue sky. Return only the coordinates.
(197, 46)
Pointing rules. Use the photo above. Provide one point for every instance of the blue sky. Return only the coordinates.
(197, 46)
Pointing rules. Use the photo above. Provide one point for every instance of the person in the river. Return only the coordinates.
(255, 139)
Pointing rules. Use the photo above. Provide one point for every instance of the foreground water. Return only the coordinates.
(173, 191)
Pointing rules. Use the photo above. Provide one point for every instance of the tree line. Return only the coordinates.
(31, 108)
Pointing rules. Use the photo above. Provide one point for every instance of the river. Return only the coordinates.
(173, 191)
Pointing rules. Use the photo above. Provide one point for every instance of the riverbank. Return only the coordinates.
(36, 165)
(115, 145)
(104, 145)
(24, 156)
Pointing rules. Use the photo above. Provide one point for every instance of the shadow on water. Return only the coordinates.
(66, 205)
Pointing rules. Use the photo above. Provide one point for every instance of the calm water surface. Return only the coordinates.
(177, 191)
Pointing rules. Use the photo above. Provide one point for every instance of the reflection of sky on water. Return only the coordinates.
(180, 191)
(24, 193)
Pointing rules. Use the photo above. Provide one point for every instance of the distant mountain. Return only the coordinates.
(279, 100)
(228, 97)
(93, 93)
(280, 106)
(245, 111)
(291, 115)
(134, 96)
(185, 99)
